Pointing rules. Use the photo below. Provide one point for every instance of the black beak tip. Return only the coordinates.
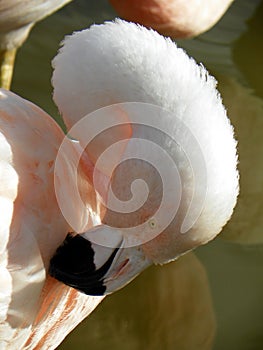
(73, 264)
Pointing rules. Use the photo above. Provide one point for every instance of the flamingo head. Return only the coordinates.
(162, 149)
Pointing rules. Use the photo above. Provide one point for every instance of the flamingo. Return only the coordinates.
(176, 18)
(56, 194)
(16, 20)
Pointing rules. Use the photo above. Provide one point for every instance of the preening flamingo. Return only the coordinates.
(134, 77)
(176, 18)
(16, 20)
(111, 66)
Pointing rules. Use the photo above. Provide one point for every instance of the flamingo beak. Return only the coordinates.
(96, 269)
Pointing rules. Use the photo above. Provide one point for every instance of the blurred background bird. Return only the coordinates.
(174, 18)
(17, 17)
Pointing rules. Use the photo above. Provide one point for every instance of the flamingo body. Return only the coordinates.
(33, 306)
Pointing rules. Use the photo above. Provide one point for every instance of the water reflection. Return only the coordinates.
(234, 273)
(246, 111)
(248, 52)
(171, 307)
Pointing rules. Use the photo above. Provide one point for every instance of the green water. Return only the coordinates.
(211, 299)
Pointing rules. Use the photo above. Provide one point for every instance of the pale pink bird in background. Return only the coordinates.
(175, 18)
(96, 68)
(17, 17)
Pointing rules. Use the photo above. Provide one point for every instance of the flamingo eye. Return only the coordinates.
(152, 223)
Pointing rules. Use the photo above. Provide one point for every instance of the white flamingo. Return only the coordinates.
(112, 63)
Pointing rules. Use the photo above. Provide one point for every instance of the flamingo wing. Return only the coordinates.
(35, 310)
